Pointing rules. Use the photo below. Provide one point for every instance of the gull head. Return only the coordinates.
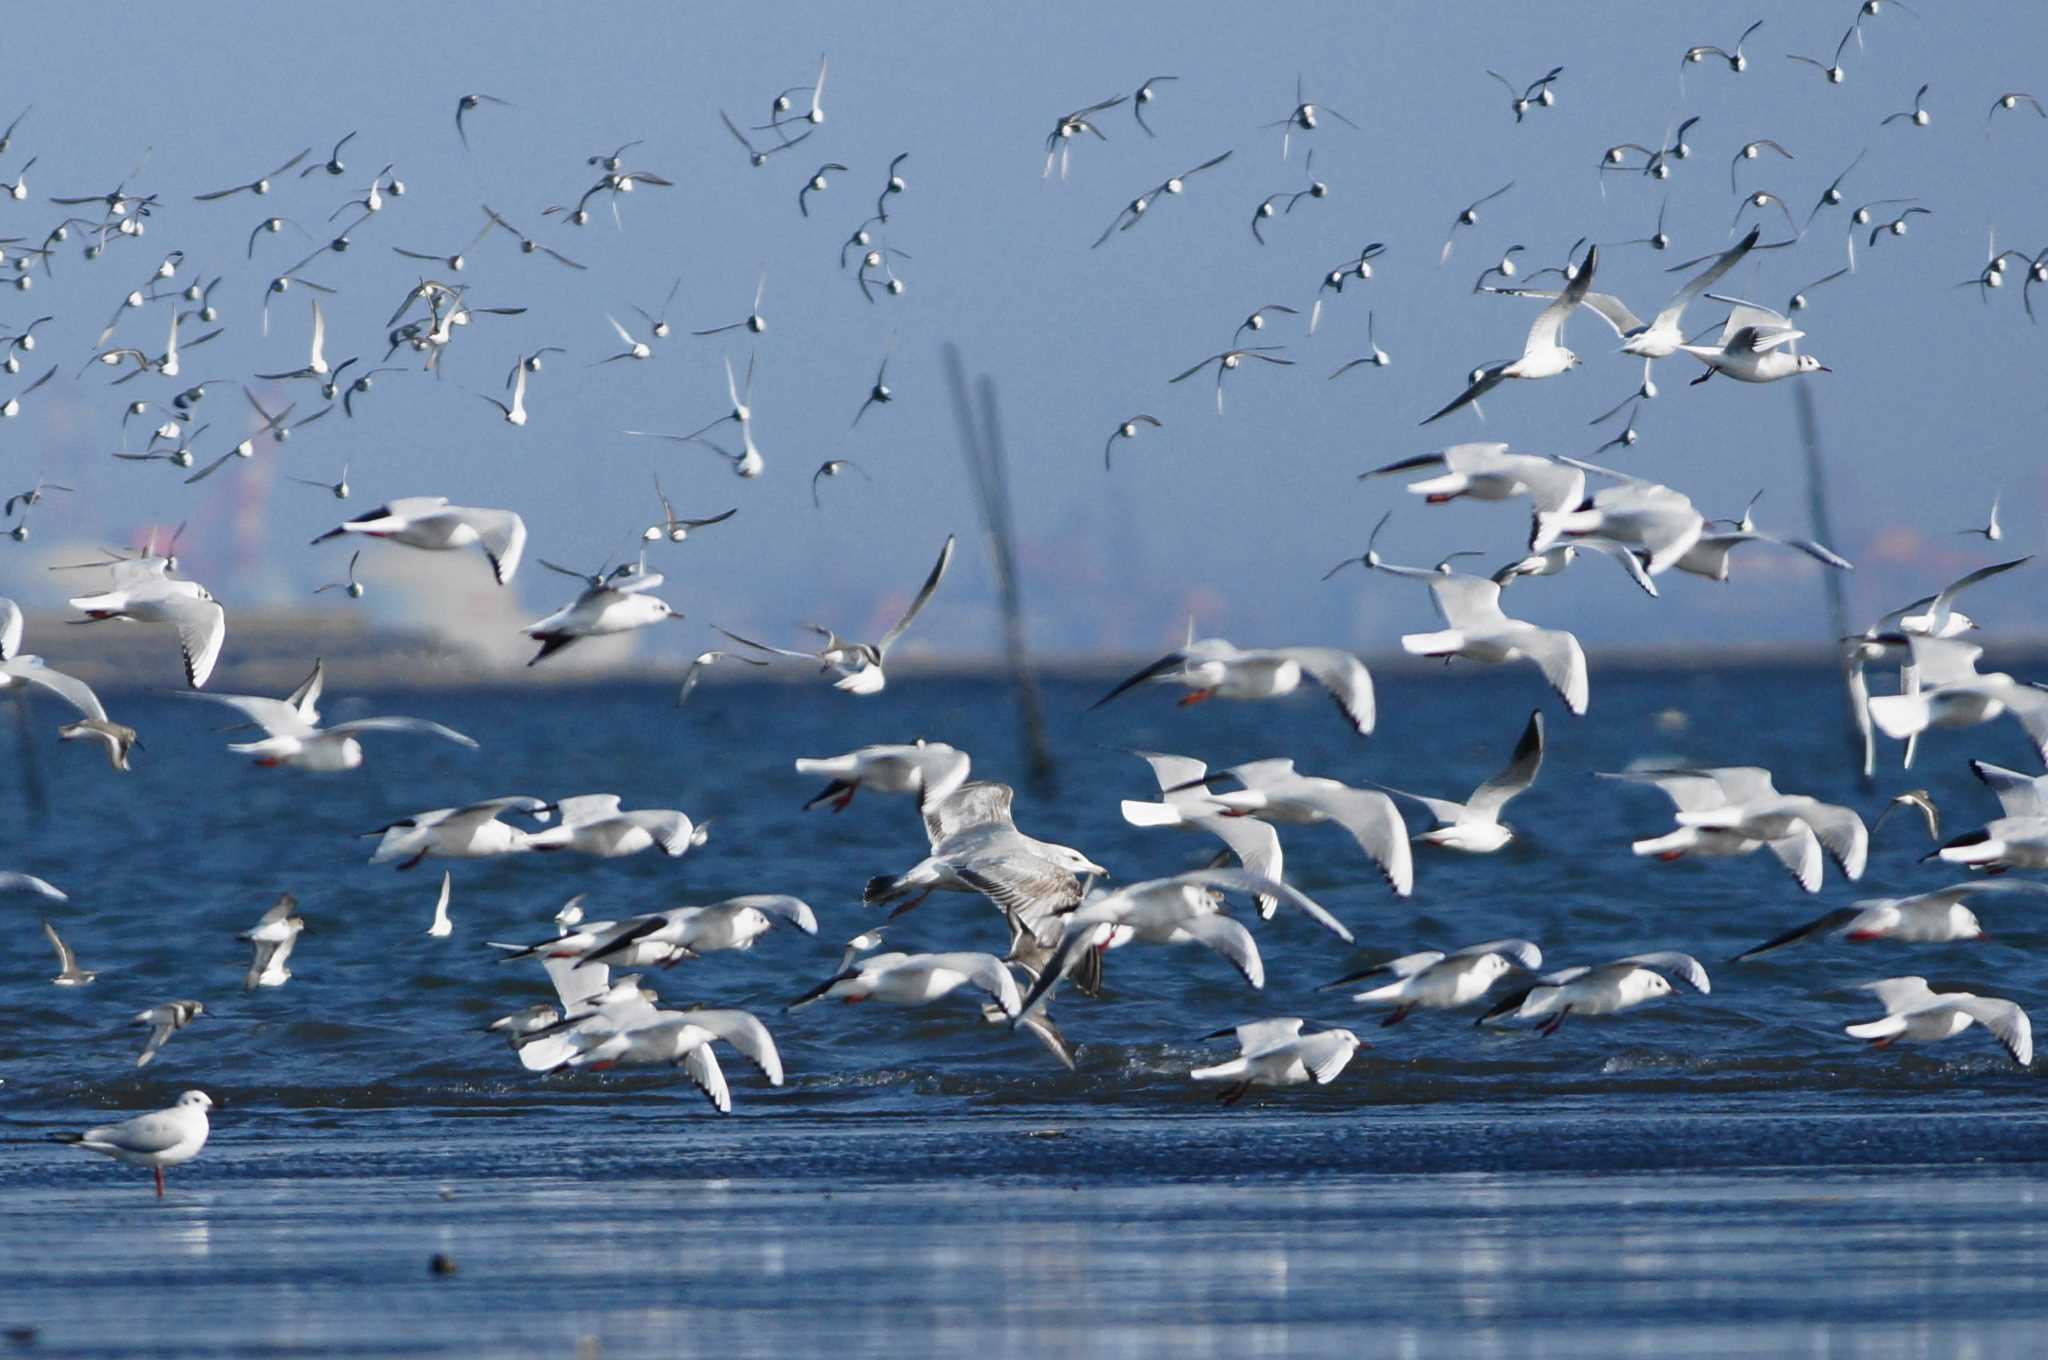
(1809, 364)
(194, 1100)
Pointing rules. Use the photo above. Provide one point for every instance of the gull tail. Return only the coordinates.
(1151, 814)
(1236, 1067)
(1552, 525)
(1671, 843)
(1447, 643)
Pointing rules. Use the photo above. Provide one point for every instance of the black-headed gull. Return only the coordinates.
(1713, 813)
(1184, 909)
(1951, 692)
(1932, 616)
(1274, 791)
(1215, 669)
(293, 737)
(1663, 335)
(1917, 1014)
(431, 523)
(931, 770)
(859, 664)
(1479, 631)
(1475, 825)
(162, 1138)
(683, 1039)
(163, 1021)
(592, 824)
(1604, 989)
(1708, 556)
(1937, 917)
(1488, 472)
(609, 604)
(471, 832)
(1657, 522)
(1543, 354)
(1276, 1053)
(1757, 345)
(142, 591)
(69, 974)
(271, 940)
(1184, 802)
(1434, 980)
(915, 980)
(691, 932)
(2016, 840)
(1059, 142)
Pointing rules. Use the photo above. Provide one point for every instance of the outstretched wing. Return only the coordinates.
(931, 584)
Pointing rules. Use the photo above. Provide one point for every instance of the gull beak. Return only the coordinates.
(1824, 369)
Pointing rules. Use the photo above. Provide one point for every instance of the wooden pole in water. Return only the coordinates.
(1823, 531)
(981, 440)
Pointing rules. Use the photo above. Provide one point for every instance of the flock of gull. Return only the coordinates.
(1062, 910)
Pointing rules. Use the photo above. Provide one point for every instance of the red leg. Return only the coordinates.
(844, 800)
(1400, 1014)
(1198, 697)
(159, 1182)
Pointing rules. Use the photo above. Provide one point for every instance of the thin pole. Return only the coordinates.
(981, 437)
(1823, 530)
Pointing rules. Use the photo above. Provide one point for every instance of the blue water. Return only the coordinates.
(1707, 1175)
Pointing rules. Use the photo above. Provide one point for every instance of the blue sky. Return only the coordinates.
(1933, 404)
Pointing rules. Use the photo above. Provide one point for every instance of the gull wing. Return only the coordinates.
(2019, 794)
(1255, 1036)
(984, 971)
(1944, 603)
(1344, 676)
(1232, 941)
(1325, 1055)
(1688, 790)
(1176, 775)
(69, 688)
(1800, 853)
(1469, 603)
(1375, 823)
(979, 803)
(202, 627)
(794, 910)
(1523, 952)
(705, 1074)
(1520, 773)
(1256, 845)
(158, 1131)
(924, 593)
(10, 881)
(420, 725)
(10, 628)
(277, 717)
(1901, 994)
(1548, 332)
(305, 700)
(1943, 661)
(504, 539)
(1819, 925)
(1684, 967)
(1563, 662)
(1842, 834)
(1707, 278)
(746, 1034)
(2004, 1019)
(1024, 885)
